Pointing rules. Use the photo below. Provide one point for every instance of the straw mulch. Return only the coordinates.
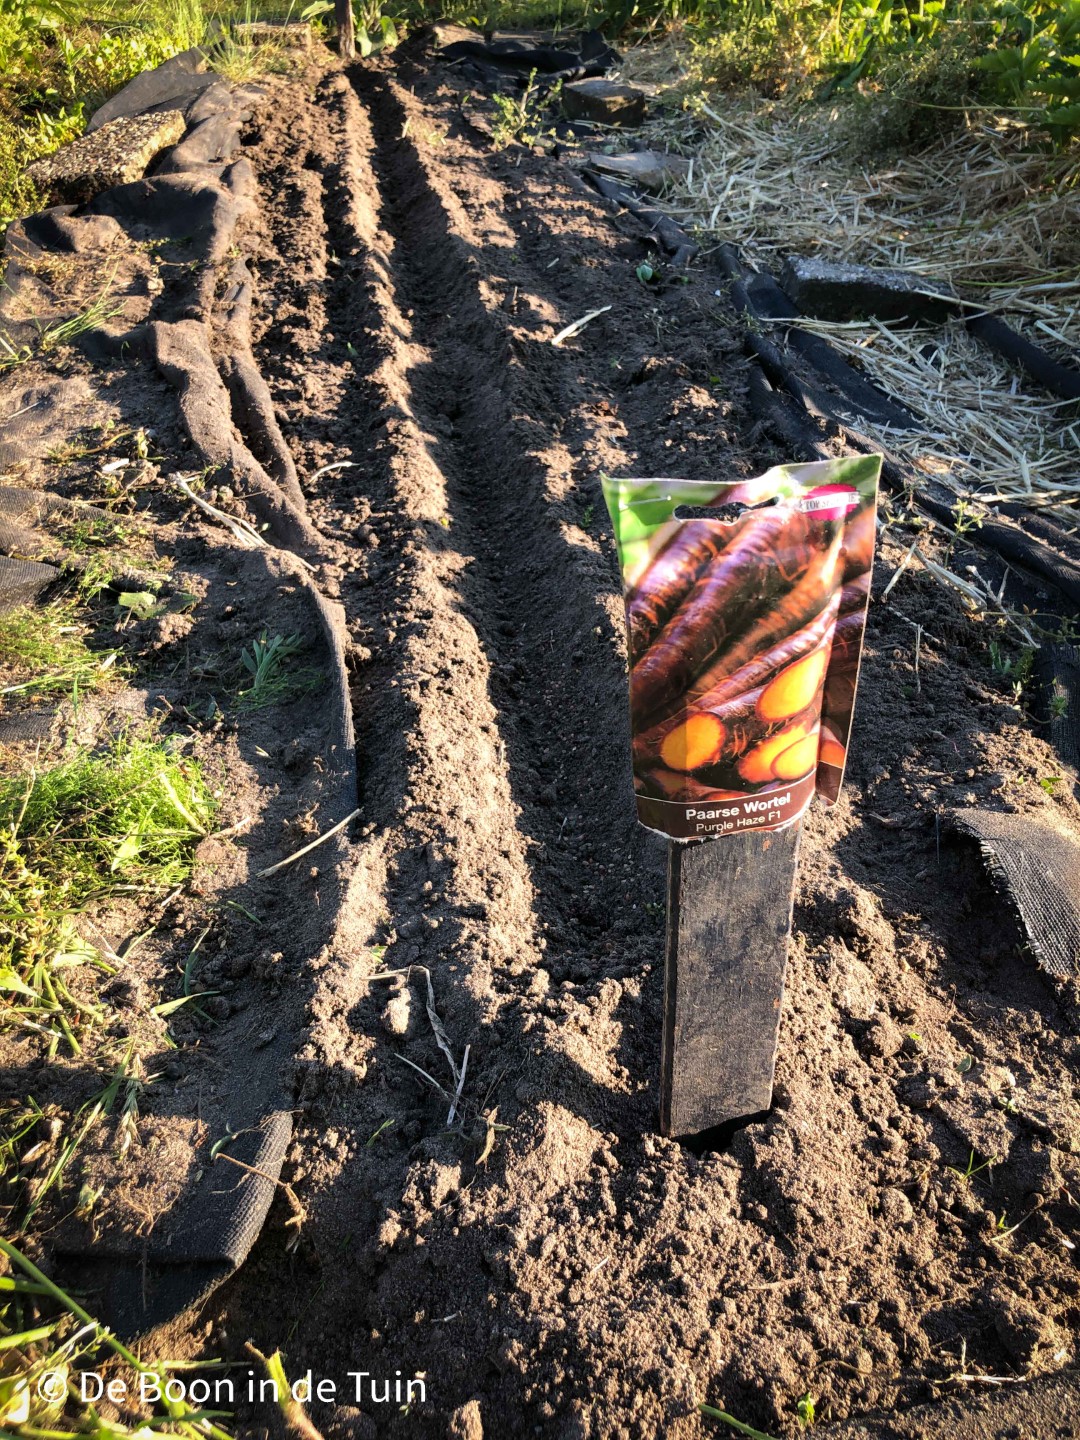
(987, 208)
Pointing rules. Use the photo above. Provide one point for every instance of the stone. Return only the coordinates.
(1021, 1327)
(115, 154)
(466, 1423)
(292, 34)
(894, 1208)
(884, 1038)
(651, 169)
(445, 32)
(603, 101)
(396, 1014)
(833, 291)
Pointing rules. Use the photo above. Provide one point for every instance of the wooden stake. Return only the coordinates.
(346, 31)
(729, 917)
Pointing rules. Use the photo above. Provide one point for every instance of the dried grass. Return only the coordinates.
(983, 208)
(982, 429)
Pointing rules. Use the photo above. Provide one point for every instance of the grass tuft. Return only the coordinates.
(59, 333)
(43, 651)
(271, 681)
(101, 824)
(120, 820)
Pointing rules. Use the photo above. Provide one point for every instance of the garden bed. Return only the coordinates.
(900, 1226)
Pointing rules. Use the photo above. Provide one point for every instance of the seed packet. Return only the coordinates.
(744, 634)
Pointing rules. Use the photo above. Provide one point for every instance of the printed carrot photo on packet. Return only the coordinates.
(744, 633)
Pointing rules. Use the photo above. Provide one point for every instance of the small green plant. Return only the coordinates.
(81, 536)
(805, 1411)
(271, 682)
(1016, 668)
(1059, 705)
(587, 516)
(965, 517)
(1050, 783)
(520, 118)
(971, 1169)
(386, 1124)
(43, 651)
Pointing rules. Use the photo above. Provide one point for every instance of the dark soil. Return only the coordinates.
(549, 1264)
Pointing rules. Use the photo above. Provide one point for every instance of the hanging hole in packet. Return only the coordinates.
(744, 639)
(722, 514)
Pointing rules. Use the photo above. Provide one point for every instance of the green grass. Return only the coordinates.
(124, 820)
(932, 57)
(45, 1331)
(58, 334)
(22, 1174)
(43, 651)
(59, 61)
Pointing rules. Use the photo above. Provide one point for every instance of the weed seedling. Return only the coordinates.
(520, 119)
(270, 682)
(805, 1411)
(972, 1169)
(386, 1124)
(1016, 668)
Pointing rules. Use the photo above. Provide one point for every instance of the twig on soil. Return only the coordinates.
(739, 1425)
(337, 465)
(904, 563)
(460, 1086)
(299, 1214)
(576, 326)
(306, 849)
(240, 530)
(232, 829)
(988, 1379)
(978, 597)
(916, 626)
(429, 1078)
(441, 1038)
